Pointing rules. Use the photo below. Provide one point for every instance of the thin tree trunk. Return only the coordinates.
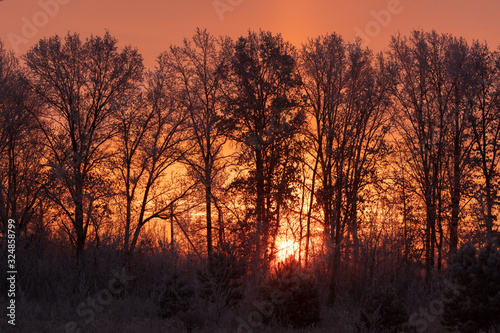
(79, 228)
(208, 203)
(172, 228)
(429, 232)
(128, 217)
(260, 213)
(311, 201)
(455, 191)
(489, 210)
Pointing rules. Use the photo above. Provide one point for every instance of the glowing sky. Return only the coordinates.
(153, 25)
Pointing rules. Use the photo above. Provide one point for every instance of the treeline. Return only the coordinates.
(367, 160)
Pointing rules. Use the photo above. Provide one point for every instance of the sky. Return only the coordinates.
(153, 25)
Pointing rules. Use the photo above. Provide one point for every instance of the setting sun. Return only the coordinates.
(286, 249)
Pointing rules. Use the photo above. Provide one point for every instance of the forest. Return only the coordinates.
(250, 185)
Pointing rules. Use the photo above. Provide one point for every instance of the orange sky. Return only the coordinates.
(153, 25)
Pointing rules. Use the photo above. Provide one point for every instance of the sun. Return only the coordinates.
(286, 249)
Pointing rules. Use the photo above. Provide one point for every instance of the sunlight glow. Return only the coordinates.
(287, 249)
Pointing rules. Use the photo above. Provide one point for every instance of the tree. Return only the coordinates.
(81, 84)
(202, 66)
(422, 94)
(484, 101)
(434, 80)
(347, 102)
(149, 143)
(265, 109)
(21, 176)
(461, 140)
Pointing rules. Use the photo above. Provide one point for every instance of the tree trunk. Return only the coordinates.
(429, 232)
(309, 212)
(208, 203)
(455, 190)
(354, 233)
(78, 222)
(128, 218)
(455, 208)
(489, 209)
(336, 239)
(259, 212)
(172, 228)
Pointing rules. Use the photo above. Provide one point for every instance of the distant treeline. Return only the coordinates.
(373, 160)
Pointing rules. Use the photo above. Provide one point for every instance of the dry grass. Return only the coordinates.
(49, 310)
(134, 315)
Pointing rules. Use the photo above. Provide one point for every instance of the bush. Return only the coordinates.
(477, 303)
(383, 311)
(294, 296)
(221, 280)
(176, 295)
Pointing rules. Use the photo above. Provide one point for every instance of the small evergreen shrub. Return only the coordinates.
(176, 295)
(477, 303)
(220, 281)
(294, 296)
(383, 311)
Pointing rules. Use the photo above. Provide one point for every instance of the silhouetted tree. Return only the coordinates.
(461, 140)
(81, 84)
(21, 176)
(347, 102)
(202, 66)
(149, 143)
(484, 100)
(264, 109)
(422, 94)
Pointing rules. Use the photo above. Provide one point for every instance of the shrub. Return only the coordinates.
(294, 296)
(176, 295)
(383, 311)
(477, 303)
(221, 279)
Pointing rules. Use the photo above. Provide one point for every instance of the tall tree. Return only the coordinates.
(202, 66)
(347, 102)
(322, 64)
(149, 143)
(428, 73)
(21, 175)
(484, 100)
(265, 110)
(81, 85)
(461, 140)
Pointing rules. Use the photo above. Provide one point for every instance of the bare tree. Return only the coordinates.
(347, 99)
(429, 74)
(202, 66)
(21, 176)
(484, 100)
(265, 110)
(82, 84)
(322, 64)
(461, 140)
(149, 143)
